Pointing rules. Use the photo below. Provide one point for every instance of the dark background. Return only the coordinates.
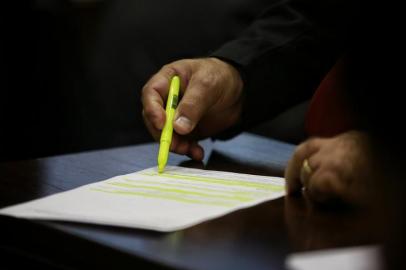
(72, 71)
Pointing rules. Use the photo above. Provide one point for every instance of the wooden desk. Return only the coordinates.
(254, 238)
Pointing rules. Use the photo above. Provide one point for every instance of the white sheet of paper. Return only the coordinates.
(353, 258)
(176, 199)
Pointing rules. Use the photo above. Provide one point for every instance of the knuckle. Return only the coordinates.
(145, 89)
(171, 69)
(300, 151)
(182, 148)
(334, 166)
(144, 96)
(208, 80)
(326, 185)
(152, 118)
(313, 144)
(148, 112)
(167, 68)
(306, 148)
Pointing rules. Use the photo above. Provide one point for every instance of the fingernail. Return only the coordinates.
(184, 123)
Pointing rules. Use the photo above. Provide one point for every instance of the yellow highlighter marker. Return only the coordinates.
(166, 135)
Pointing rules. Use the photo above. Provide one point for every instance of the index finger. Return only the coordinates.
(153, 97)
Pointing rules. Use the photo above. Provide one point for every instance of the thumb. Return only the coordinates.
(197, 99)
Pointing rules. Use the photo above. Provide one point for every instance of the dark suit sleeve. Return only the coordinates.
(285, 53)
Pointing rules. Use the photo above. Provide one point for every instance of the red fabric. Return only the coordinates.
(328, 113)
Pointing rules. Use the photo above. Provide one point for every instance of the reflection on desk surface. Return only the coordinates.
(259, 237)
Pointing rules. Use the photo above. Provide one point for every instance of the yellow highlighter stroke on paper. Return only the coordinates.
(174, 200)
(167, 131)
